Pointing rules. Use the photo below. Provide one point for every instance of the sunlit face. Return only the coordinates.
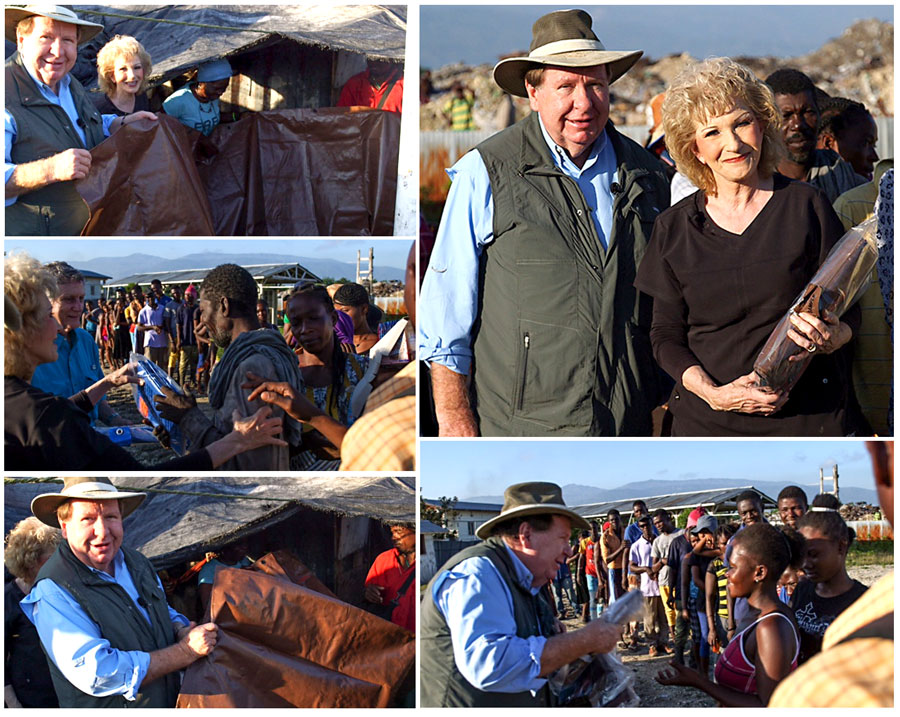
(69, 305)
(404, 539)
(823, 558)
(856, 145)
(312, 324)
(646, 530)
(40, 344)
(543, 552)
(262, 313)
(615, 522)
(94, 532)
(217, 325)
(50, 49)
(742, 572)
(791, 510)
(573, 105)
(801, 116)
(357, 313)
(730, 144)
(750, 511)
(128, 74)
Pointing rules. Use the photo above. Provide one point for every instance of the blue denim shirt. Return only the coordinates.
(76, 368)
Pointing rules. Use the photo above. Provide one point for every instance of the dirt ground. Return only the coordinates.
(645, 668)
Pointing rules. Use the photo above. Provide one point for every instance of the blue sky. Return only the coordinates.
(476, 34)
(484, 467)
(387, 252)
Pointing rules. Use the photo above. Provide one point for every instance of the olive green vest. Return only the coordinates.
(561, 345)
(120, 622)
(42, 130)
(441, 683)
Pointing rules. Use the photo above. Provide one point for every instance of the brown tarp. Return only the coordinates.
(325, 172)
(282, 564)
(284, 645)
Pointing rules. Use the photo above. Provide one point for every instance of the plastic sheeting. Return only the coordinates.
(329, 172)
(283, 645)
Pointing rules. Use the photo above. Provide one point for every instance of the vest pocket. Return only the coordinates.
(554, 384)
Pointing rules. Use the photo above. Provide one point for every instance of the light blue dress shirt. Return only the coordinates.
(474, 598)
(75, 644)
(76, 368)
(64, 100)
(448, 305)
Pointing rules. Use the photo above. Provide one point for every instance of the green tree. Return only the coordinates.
(441, 514)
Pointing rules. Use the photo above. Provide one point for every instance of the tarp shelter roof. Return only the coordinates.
(207, 32)
(182, 517)
(716, 500)
(260, 272)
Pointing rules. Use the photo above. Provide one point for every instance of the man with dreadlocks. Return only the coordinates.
(228, 298)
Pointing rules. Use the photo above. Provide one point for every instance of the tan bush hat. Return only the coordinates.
(16, 13)
(45, 506)
(524, 499)
(563, 38)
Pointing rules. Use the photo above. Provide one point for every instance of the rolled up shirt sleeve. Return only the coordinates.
(73, 642)
(448, 303)
(107, 121)
(478, 606)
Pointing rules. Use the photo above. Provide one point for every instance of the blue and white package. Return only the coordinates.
(127, 435)
(154, 379)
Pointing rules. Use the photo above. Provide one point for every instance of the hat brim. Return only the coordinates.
(509, 74)
(484, 530)
(44, 506)
(14, 15)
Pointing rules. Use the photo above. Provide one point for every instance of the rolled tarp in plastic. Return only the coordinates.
(283, 645)
(325, 172)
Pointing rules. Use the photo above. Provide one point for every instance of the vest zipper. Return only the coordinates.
(527, 344)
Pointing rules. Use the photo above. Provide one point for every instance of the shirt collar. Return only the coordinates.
(562, 159)
(63, 83)
(118, 563)
(523, 575)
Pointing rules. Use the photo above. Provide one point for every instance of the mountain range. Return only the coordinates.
(575, 494)
(118, 267)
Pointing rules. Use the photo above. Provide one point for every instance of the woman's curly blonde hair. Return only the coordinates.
(120, 46)
(710, 89)
(25, 281)
(27, 544)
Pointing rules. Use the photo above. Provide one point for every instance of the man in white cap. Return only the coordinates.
(100, 610)
(49, 121)
(488, 638)
(529, 292)
(197, 104)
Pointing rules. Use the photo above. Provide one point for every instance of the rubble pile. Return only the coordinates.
(387, 288)
(858, 65)
(860, 511)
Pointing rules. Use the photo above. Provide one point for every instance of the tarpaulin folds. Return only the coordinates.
(325, 172)
(283, 645)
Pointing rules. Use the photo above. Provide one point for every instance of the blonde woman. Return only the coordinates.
(726, 262)
(123, 66)
(28, 546)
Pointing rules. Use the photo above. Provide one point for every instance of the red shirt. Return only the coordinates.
(358, 92)
(387, 573)
(591, 567)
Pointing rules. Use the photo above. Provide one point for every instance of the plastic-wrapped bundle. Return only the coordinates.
(600, 680)
(840, 281)
(154, 379)
(127, 435)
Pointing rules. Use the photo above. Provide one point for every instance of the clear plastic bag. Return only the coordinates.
(600, 680)
(839, 282)
(154, 379)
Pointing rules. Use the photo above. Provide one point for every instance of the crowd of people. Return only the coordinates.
(583, 285)
(746, 606)
(47, 149)
(279, 398)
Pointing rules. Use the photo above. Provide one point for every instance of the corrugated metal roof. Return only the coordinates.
(426, 526)
(718, 500)
(260, 272)
(464, 505)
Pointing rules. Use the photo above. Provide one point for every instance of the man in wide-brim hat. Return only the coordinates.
(488, 637)
(100, 610)
(51, 122)
(529, 295)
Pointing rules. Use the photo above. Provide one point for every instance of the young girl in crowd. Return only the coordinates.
(765, 652)
(826, 590)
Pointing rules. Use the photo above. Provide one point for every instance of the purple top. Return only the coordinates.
(343, 327)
